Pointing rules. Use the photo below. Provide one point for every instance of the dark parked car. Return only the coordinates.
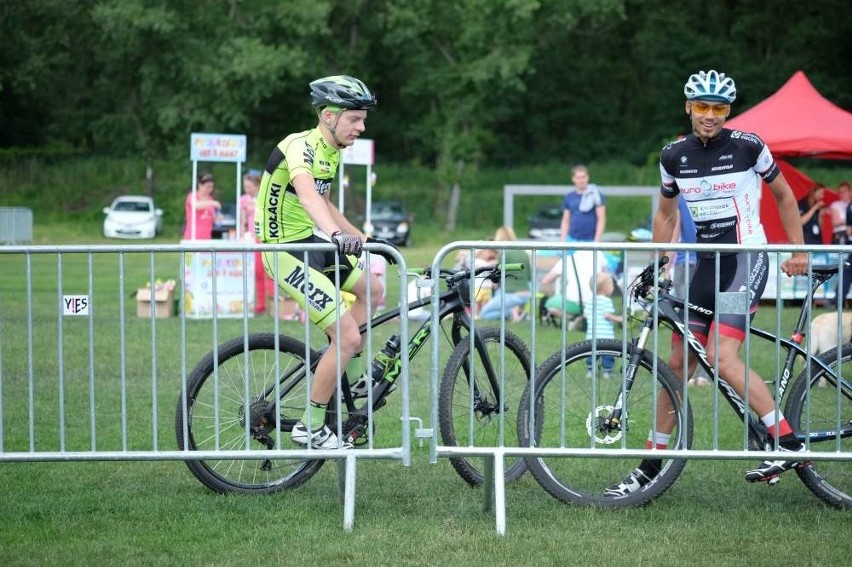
(226, 220)
(391, 222)
(545, 224)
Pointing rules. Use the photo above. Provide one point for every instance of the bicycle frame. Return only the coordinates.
(450, 302)
(664, 308)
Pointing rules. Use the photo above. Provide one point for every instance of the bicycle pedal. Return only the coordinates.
(358, 436)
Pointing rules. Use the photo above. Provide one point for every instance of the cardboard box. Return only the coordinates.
(163, 302)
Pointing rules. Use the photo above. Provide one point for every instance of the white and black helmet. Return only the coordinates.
(710, 85)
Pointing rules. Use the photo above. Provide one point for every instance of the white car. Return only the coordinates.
(132, 216)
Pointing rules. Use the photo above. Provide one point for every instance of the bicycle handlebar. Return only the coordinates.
(645, 280)
(458, 275)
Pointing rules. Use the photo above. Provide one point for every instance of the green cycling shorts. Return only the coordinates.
(314, 288)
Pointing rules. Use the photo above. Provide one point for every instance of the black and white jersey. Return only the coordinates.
(720, 182)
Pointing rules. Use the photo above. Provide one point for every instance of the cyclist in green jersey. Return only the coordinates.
(293, 206)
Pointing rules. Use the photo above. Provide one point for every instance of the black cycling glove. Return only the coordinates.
(347, 243)
(391, 259)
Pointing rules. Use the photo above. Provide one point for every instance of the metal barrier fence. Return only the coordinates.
(94, 365)
(576, 397)
(84, 378)
(16, 225)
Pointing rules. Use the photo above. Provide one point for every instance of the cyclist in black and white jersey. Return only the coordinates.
(718, 172)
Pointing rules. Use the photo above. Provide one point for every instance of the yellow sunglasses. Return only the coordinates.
(719, 110)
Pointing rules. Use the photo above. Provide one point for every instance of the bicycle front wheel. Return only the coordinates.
(575, 396)
(246, 395)
(819, 409)
(479, 395)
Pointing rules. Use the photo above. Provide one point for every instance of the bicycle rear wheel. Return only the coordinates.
(477, 403)
(819, 409)
(568, 412)
(248, 397)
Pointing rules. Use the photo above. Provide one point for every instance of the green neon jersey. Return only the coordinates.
(279, 215)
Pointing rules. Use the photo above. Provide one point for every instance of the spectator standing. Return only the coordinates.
(844, 189)
(839, 210)
(811, 210)
(251, 184)
(682, 270)
(262, 283)
(601, 318)
(583, 210)
(684, 263)
(200, 209)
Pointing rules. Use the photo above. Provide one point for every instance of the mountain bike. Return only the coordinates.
(571, 409)
(250, 391)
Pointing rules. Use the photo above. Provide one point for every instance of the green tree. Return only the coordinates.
(169, 68)
(464, 62)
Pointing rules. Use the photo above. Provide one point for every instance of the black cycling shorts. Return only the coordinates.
(742, 273)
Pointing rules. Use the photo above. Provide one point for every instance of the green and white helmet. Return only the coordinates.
(711, 85)
(342, 91)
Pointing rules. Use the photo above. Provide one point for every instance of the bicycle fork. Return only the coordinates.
(617, 419)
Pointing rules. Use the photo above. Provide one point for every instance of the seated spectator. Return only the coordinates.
(569, 296)
(482, 285)
(509, 302)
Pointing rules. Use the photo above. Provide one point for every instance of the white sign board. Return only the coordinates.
(217, 147)
(359, 153)
(228, 269)
(75, 305)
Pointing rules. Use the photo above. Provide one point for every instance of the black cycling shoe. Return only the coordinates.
(770, 471)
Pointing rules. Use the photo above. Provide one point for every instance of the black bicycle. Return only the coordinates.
(572, 410)
(250, 391)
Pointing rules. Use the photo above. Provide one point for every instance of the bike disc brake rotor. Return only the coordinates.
(604, 434)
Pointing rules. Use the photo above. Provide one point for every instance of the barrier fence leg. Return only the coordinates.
(346, 490)
(500, 494)
(488, 483)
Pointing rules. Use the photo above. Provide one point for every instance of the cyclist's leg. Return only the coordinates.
(699, 294)
(357, 285)
(312, 288)
(739, 272)
(749, 271)
(659, 434)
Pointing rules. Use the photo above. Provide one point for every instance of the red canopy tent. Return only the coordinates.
(796, 121)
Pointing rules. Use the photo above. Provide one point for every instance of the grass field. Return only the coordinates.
(156, 513)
